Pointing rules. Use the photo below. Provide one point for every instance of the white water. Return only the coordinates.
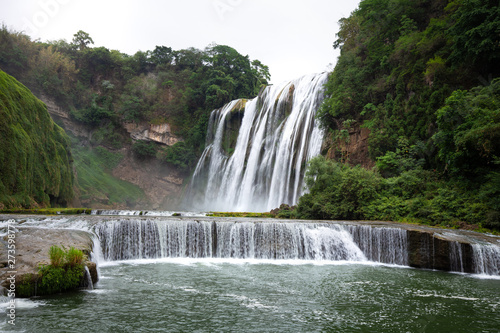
(112, 212)
(130, 238)
(486, 259)
(151, 239)
(277, 137)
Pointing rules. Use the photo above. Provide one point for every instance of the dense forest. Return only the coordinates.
(422, 77)
(106, 89)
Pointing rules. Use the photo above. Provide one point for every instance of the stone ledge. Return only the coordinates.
(32, 250)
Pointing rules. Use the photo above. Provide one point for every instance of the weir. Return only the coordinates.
(145, 238)
(257, 150)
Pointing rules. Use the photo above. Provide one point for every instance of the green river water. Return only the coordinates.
(210, 295)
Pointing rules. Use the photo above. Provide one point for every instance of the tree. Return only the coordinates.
(162, 55)
(468, 137)
(81, 40)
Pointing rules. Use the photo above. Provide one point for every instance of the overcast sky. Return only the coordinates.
(292, 37)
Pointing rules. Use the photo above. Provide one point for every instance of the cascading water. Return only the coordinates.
(486, 259)
(387, 245)
(264, 166)
(137, 239)
(144, 238)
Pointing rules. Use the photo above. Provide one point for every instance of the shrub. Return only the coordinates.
(144, 149)
(74, 257)
(56, 255)
(337, 191)
(64, 273)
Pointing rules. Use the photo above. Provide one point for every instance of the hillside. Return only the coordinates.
(35, 159)
(416, 95)
(137, 122)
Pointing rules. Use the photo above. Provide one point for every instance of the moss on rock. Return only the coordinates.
(35, 159)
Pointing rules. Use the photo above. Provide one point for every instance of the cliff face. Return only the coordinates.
(160, 133)
(35, 157)
(161, 184)
(353, 148)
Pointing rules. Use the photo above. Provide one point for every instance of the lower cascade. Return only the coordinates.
(124, 239)
(257, 150)
(140, 239)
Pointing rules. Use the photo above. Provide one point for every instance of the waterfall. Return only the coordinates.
(486, 259)
(87, 280)
(145, 238)
(456, 257)
(387, 245)
(257, 150)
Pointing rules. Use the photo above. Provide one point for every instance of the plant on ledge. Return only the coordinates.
(64, 273)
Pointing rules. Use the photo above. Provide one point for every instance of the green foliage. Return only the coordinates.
(475, 33)
(337, 191)
(144, 149)
(344, 192)
(74, 257)
(104, 89)
(403, 73)
(34, 151)
(56, 255)
(405, 158)
(48, 211)
(401, 59)
(95, 183)
(108, 135)
(81, 40)
(180, 155)
(65, 271)
(468, 136)
(100, 108)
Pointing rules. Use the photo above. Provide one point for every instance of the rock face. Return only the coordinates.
(32, 250)
(62, 117)
(160, 133)
(354, 150)
(442, 249)
(161, 184)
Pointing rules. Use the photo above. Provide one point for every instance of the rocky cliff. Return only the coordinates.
(162, 184)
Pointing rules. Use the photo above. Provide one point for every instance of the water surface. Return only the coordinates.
(234, 295)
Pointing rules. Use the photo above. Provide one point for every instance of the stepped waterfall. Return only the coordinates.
(150, 238)
(143, 239)
(257, 150)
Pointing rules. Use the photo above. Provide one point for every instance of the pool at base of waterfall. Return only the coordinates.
(238, 295)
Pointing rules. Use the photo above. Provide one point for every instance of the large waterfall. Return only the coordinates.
(257, 150)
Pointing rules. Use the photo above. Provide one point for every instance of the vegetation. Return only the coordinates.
(65, 272)
(48, 211)
(106, 89)
(422, 77)
(35, 156)
(239, 214)
(96, 184)
(105, 86)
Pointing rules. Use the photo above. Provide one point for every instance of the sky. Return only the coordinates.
(292, 37)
